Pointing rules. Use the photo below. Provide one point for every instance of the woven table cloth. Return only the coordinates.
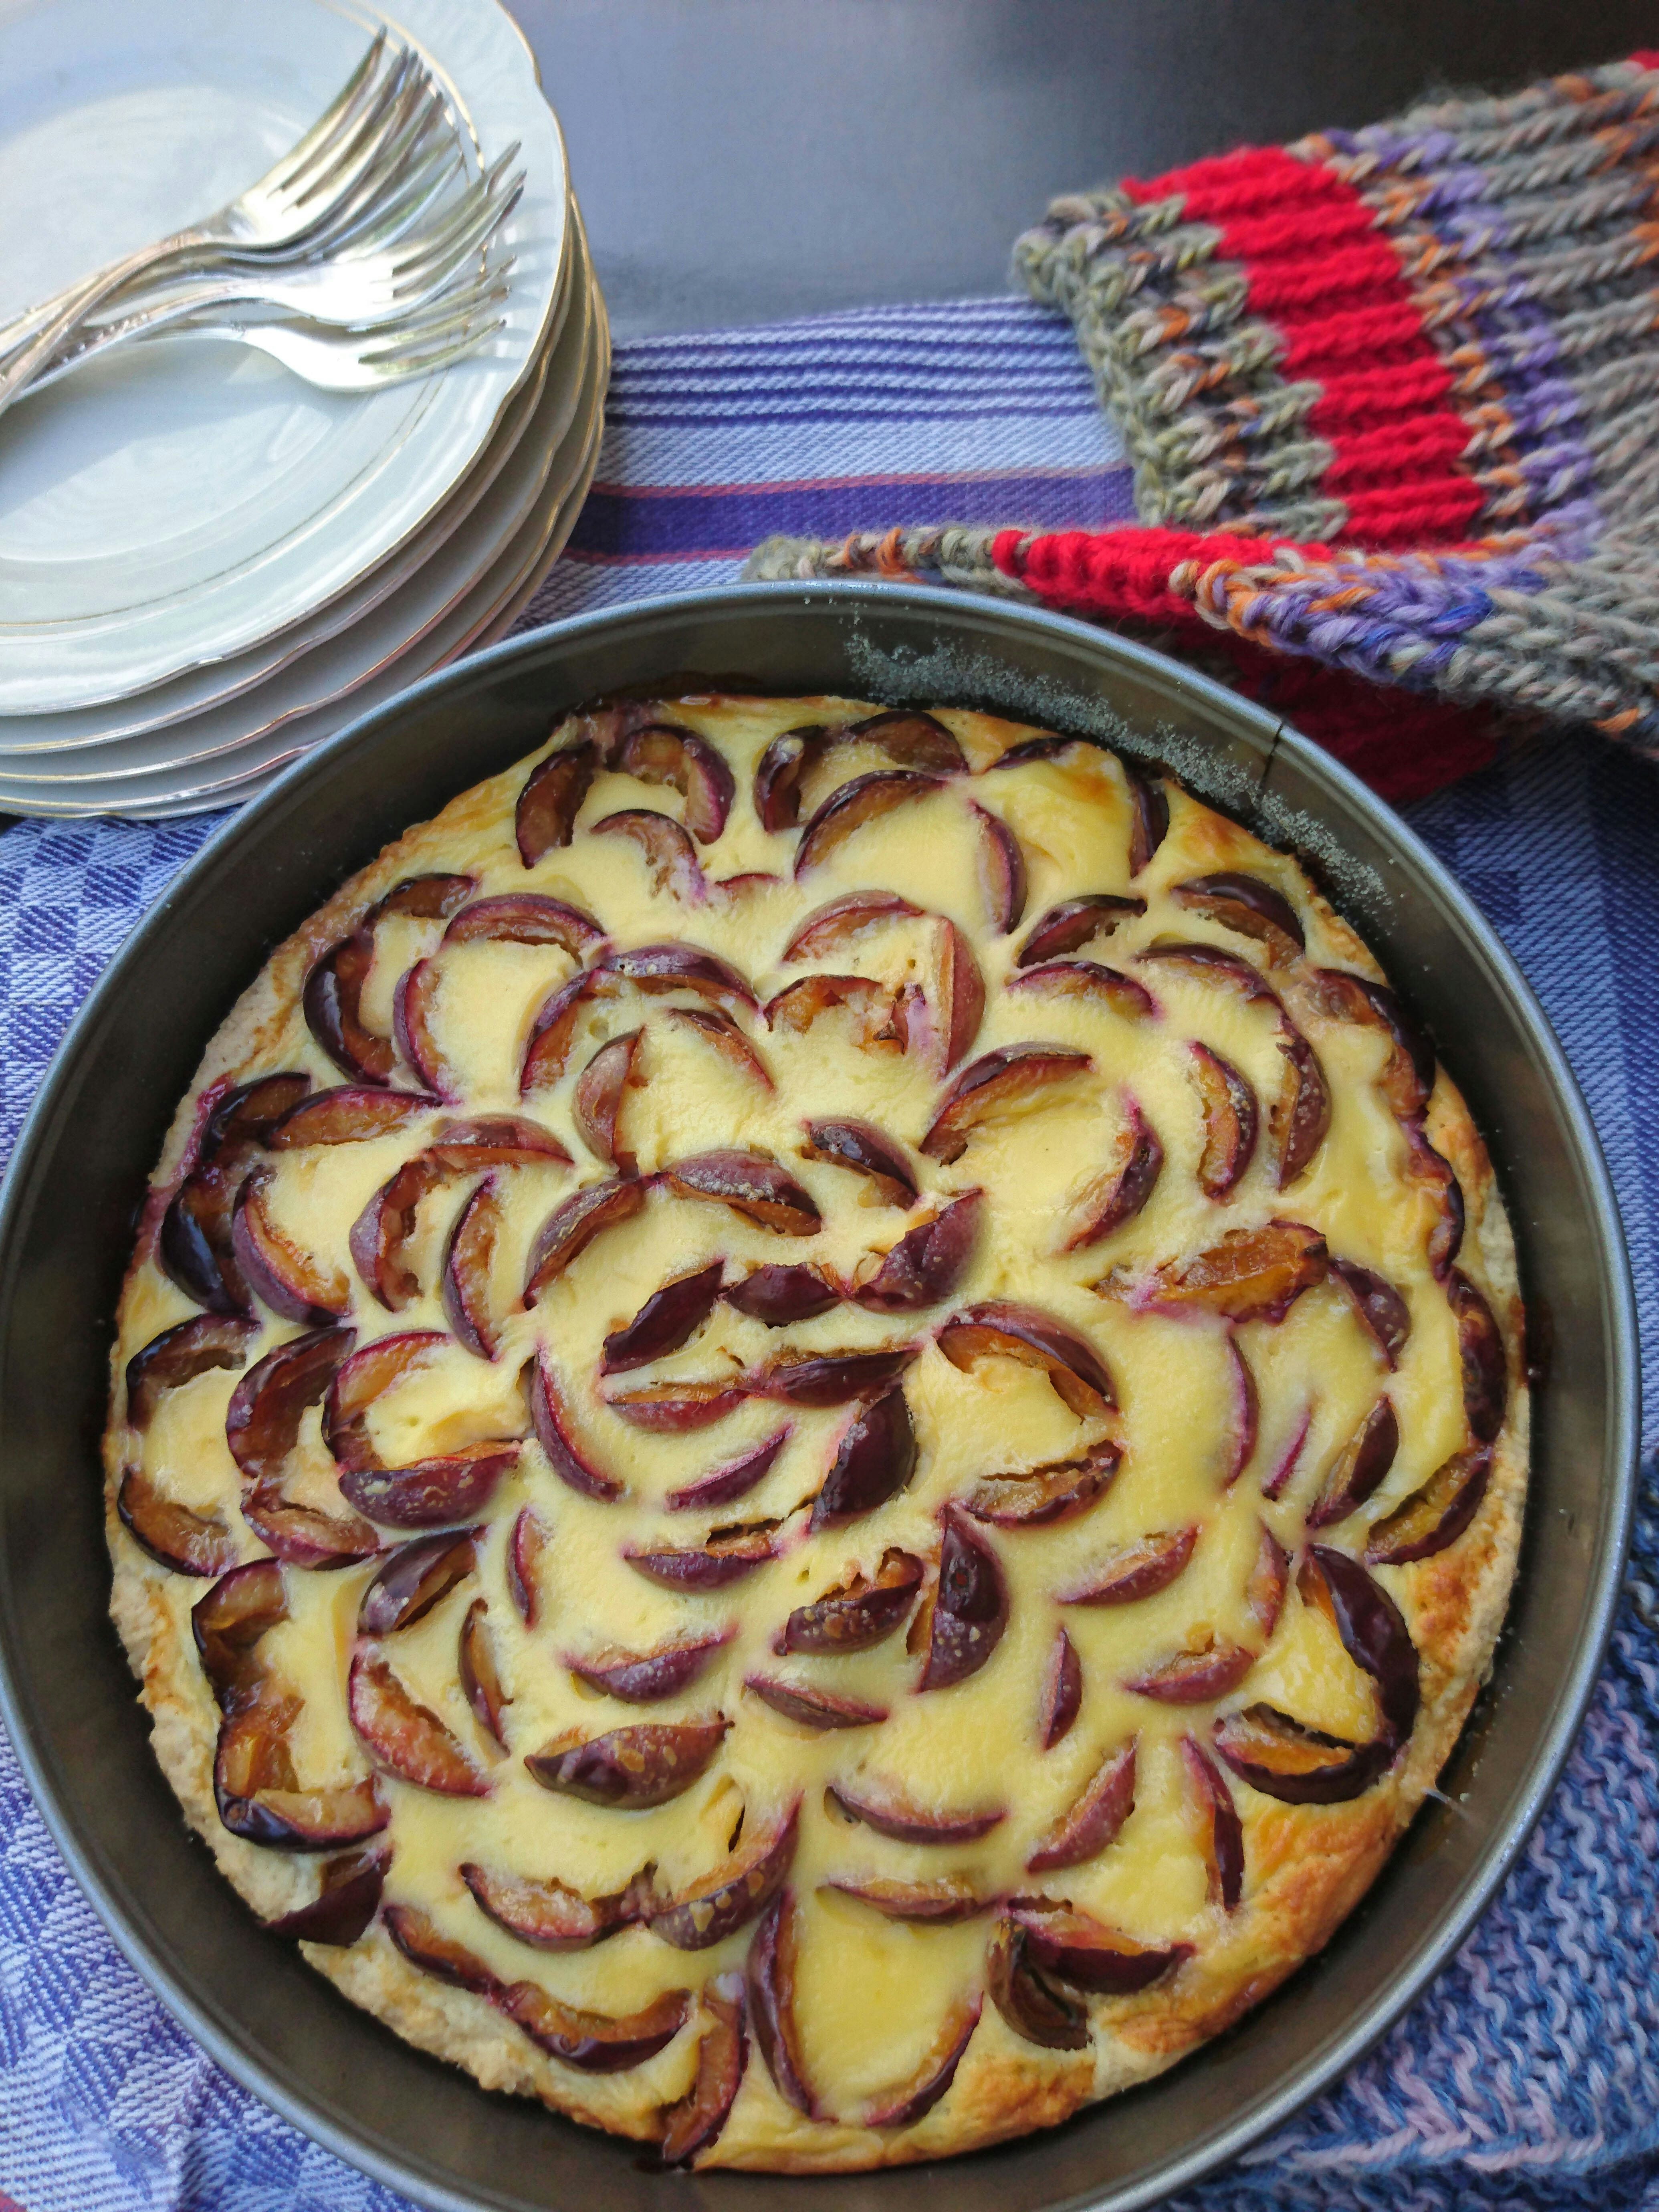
(1528, 2073)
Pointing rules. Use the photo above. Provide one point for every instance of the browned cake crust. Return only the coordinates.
(1237, 1882)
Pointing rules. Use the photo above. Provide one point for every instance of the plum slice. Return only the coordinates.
(1149, 816)
(1002, 875)
(279, 1275)
(1249, 906)
(1277, 1476)
(1137, 1570)
(380, 1234)
(350, 1115)
(812, 1707)
(527, 918)
(412, 1579)
(780, 1294)
(874, 1461)
(189, 1543)
(464, 1277)
(1282, 1758)
(412, 1011)
(548, 1915)
(863, 1149)
(1034, 2005)
(857, 1615)
(939, 1903)
(830, 928)
(659, 968)
(1220, 1830)
(262, 1423)
(333, 1001)
(1092, 981)
(1062, 1693)
(631, 1768)
(1251, 1275)
(669, 1318)
(751, 1184)
(427, 1493)
(1244, 1425)
(245, 1113)
(425, 1945)
(779, 772)
(180, 1354)
(1267, 1582)
(770, 1972)
(866, 798)
(545, 815)
(1089, 1826)
(800, 1005)
(695, 2121)
(1386, 1317)
(997, 1082)
(1433, 1517)
(928, 1262)
(970, 1607)
(194, 1241)
(719, 1903)
(913, 2100)
(725, 1557)
(663, 752)
(1041, 1495)
(1195, 1678)
(526, 1545)
(716, 1028)
(1426, 1166)
(553, 1032)
(722, 1485)
(1231, 1120)
(643, 1678)
(1118, 1197)
(551, 1423)
(1359, 1467)
(229, 1621)
(675, 1408)
(1407, 1077)
(595, 2042)
(670, 855)
(1373, 1631)
(832, 1378)
(1300, 1116)
(347, 1900)
(907, 1823)
(1485, 1364)
(1036, 1340)
(480, 1675)
(404, 1737)
(257, 1794)
(1070, 926)
(1211, 964)
(573, 1225)
(909, 738)
(1088, 1955)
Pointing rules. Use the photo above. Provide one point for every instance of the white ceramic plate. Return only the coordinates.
(387, 626)
(28, 742)
(495, 601)
(175, 505)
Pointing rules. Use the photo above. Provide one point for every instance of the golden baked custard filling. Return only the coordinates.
(817, 1429)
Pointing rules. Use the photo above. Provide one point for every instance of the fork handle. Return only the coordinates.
(70, 307)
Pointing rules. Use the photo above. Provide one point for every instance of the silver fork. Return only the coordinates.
(350, 361)
(322, 187)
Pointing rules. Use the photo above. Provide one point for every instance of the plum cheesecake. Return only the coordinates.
(818, 1428)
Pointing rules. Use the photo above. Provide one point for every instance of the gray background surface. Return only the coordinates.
(739, 160)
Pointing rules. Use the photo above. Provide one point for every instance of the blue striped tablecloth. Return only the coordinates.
(1528, 2076)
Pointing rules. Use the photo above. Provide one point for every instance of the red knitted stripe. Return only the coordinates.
(1255, 180)
(1363, 395)
(1425, 444)
(1436, 512)
(1404, 745)
(1123, 572)
(1298, 229)
(1646, 58)
(1280, 288)
(1390, 326)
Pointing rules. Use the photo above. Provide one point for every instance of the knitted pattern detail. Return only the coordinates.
(1392, 400)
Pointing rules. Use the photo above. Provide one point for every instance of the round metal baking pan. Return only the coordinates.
(68, 1699)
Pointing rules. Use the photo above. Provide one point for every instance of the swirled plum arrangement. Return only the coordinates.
(819, 1429)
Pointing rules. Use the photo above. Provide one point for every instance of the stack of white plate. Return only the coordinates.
(205, 565)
